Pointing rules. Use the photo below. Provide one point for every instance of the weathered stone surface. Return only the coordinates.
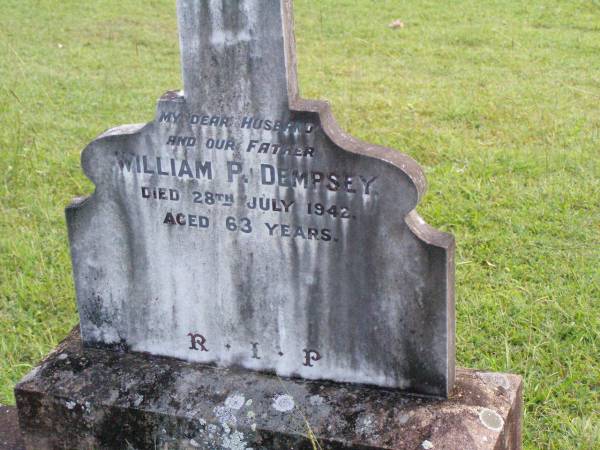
(90, 398)
(10, 434)
(242, 227)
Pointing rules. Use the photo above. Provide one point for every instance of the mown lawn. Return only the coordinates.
(499, 101)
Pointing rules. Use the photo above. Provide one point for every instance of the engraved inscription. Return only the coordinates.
(198, 166)
(310, 356)
(197, 342)
(255, 350)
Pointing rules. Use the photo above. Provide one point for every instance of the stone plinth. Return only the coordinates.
(10, 435)
(91, 398)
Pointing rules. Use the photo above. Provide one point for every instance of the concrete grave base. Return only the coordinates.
(10, 435)
(87, 398)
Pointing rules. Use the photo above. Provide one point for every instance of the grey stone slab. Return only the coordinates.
(10, 434)
(91, 398)
(242, 227)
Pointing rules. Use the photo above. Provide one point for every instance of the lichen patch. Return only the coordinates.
(235, 441)
(495, 379)
(235, 401)
(283, 403)
(491, 419)
(225, 416)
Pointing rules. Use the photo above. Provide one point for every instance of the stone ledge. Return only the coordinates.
(90, 398)
(10, 435)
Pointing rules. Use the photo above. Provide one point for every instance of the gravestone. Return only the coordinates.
(243, 227)
(250, 276)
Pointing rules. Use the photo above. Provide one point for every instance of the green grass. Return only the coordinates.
(499, 101)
